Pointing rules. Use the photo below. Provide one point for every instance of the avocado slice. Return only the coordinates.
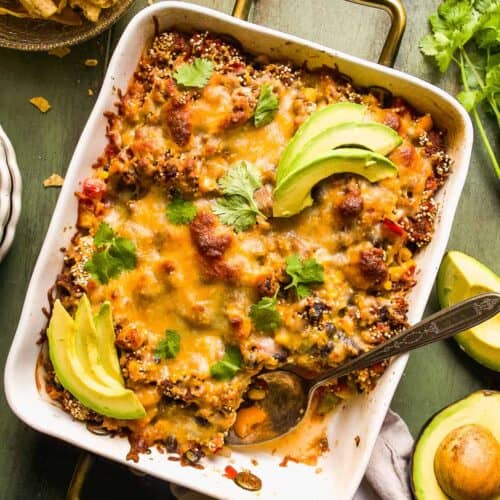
(293, 193)
(74, 376)
(373, 136)
(482, 407)
(460, 277)
(106, 343)
(320, 120)
(86, 345)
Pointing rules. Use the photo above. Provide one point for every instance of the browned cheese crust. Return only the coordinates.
(201, 279)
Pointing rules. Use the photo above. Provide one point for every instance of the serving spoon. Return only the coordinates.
(288, 396)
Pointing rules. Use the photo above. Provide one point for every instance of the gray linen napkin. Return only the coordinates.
(386, 477)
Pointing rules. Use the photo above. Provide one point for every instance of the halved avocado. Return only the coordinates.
(480, 408)
(373, 136)
(106, 342)
(86, 345)
(460, 277)
(116, 402)
(293, 193)
(320, 120)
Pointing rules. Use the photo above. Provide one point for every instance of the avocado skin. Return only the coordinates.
(333, 114)
(470, 340)
(292, 194)
(74, 376)
(475, 408)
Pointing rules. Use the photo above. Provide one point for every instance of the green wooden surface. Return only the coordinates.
(33, 466)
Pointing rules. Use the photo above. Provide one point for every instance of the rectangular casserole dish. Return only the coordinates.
(343, 466)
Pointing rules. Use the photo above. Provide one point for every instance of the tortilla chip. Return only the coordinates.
(91, 62)
(90, 11)
(40, 8)
(67, 16)
(16, 11)
(59, 52)
(55, 180)
(41, 104)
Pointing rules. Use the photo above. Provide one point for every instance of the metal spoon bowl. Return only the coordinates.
(288, 395)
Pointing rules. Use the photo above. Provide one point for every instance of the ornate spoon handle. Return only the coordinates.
(438, 326)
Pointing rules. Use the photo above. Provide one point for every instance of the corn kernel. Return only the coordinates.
(396, 272)
(103, 174)
(387, 285)
(310, 94)
(404, 254)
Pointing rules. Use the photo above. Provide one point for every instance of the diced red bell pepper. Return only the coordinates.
(394, 227)
(230, 472)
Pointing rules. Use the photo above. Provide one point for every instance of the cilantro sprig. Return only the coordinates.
(303, 274)
(267, 106)
(195, 74)
(265, 315)
(467, 32)
(237, 207)
(113, 256)
(168, 347)
(180, 211)
(229, 365)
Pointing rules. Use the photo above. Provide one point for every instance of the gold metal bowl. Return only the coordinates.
(39, 34)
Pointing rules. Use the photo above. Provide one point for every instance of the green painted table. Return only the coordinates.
(33, 466)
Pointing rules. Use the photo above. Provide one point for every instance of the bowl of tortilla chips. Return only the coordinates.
(50, 24)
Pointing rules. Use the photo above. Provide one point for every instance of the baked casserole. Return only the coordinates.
(208, 289)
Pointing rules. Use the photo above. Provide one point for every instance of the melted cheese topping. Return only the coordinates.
(201, 279)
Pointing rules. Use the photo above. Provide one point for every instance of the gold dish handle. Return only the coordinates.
(241, 10)
(394, 8)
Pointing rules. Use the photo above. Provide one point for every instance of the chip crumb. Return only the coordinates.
(91, 62)
(55, 180)
(357, 440)
(59, 52)
(41, 104)
(90, 92)
(254, 462)
(318, 470)
(151, 2)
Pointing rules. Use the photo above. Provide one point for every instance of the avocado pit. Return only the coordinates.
(467, 463)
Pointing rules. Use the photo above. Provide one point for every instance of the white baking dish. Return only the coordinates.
(344, 466)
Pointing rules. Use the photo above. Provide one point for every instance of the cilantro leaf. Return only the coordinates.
(267, 106)
(103, 235)
(303, 273)
(234, 211)
(195, 74)
(264, 315)
(238, 207)
(113, 256)
(467, 32)
(229, 365)
(169, 347)
(180, 211)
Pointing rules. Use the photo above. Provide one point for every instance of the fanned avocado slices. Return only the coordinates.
(318, 122)
(70, 359)
(369, 135)
(293, 194)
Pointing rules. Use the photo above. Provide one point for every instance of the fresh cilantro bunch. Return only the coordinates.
(237, 207)
(303, 273)
(195, 74)
(180, 211)
(113, 256)
(267, 106)
(467, 32)
(168, 347)
(265, 315)
(229, 365)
